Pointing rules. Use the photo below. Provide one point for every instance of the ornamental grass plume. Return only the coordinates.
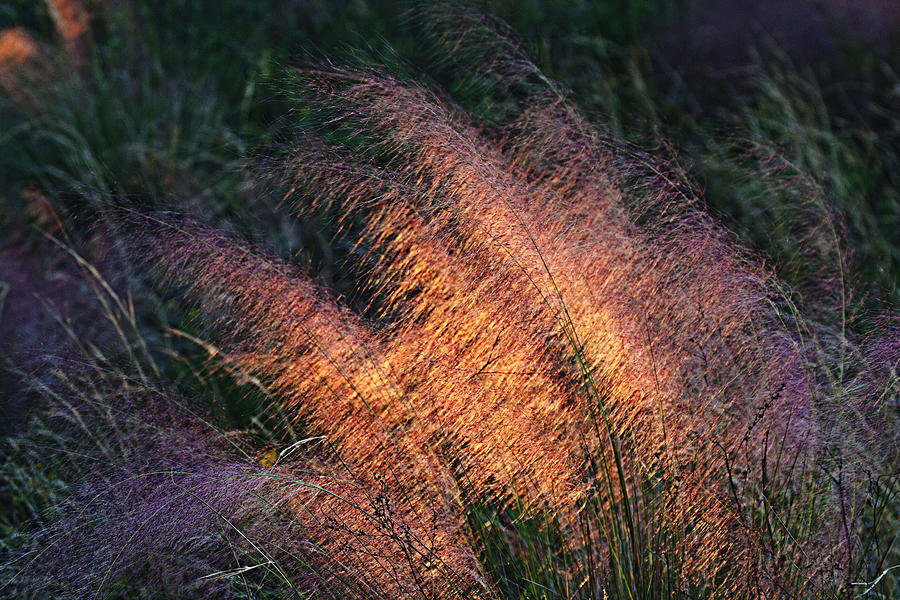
(555, 324)
(327, 368)
(449, 393)
(703, 370)
(500, 223)
(513, 416)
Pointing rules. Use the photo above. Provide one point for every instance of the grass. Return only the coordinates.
(413, 323)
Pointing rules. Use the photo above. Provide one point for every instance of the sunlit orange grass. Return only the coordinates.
(16, 47)
(672, 319)
(18, 53)
(752, 396)
(473, 396)
(684, 314)
(693, 328)
(481, 367)
(326, 366)
(72, 20)
(660, 260)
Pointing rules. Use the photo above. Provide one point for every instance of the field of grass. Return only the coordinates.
(424, 300)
